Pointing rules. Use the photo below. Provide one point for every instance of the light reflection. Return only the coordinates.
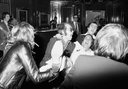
(115, 19)
(56, 10)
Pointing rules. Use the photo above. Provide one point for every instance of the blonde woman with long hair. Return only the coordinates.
(18, 61)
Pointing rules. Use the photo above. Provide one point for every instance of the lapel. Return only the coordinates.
(4, 26)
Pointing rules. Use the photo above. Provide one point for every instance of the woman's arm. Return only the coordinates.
(30, 66)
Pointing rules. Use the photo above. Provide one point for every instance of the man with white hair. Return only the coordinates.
(56, 46)
(106, 69)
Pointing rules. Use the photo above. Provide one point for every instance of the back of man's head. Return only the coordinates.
(112, 41)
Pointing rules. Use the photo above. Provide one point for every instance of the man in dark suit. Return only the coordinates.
(4, 31)
(106, 69)
(77, 27)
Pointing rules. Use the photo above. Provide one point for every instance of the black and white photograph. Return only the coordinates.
(63, 44)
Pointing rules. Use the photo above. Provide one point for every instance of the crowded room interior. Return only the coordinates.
(63, 44)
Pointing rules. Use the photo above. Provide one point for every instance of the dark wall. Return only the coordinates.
(117, 8)
(32, 6)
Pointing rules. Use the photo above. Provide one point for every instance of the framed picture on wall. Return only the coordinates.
(94, 16)
(67, 14)
(22, 15)
(43, 18)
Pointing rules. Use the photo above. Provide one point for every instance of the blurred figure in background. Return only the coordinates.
(53, 23)
(76, 27)
(18, 62)
(4, 31)
(104, 70)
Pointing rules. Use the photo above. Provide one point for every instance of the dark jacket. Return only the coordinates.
(76, 32)
(17, 63)
(95, 72)
(79, 28)
(3, 35)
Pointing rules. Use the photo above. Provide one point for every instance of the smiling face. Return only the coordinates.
(87, 42)
(92, 28)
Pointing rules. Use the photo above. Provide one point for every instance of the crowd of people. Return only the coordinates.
(6, 25)
(91, 60)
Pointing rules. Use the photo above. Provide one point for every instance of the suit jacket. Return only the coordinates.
(79, 27)
(76, 32)
(3, 35)
(95, 72)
